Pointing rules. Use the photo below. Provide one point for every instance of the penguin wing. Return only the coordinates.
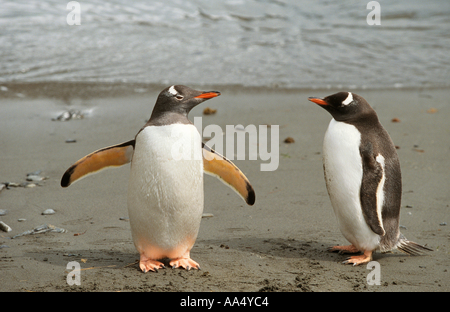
(112, 156)
(217, 165)
(372, 177)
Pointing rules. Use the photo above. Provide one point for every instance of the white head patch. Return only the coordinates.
(172, 90)
(348, 100)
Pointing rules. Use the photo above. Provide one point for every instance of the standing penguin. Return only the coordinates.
(363, 178)
(165, 191)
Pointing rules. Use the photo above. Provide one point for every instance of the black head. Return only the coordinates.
(345, 106)
(177, 101)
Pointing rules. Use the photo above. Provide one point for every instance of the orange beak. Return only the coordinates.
(208, 95)
(318, 101)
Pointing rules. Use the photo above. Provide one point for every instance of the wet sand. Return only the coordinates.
(279, 244)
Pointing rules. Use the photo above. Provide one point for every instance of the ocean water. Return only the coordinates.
(263, 43)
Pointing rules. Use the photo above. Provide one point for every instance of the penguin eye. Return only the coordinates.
(179, 97)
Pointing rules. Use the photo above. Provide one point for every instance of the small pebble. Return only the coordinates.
(207, 215)
(35, 178)
(124, 218)
(71, 141)
(48, 212)
(209, 111)
(5, 227)
(69, 115)
(443, 223)
(34, 173)
(408, 206)
(41, 229)
(289, 140)
(21, 220)
(71, 255)
(4, 246)
(3, 212)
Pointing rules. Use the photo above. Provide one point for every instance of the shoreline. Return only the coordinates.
(277, 245)
(88, 90)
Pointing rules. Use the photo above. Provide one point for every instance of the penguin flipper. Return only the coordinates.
(112, 156)
(217, 165)
(372, 176)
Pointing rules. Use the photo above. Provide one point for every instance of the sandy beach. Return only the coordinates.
(279, 244)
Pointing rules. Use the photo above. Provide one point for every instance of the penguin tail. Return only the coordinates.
(411, 248)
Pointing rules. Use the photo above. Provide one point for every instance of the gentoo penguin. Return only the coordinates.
(165, 191)
(363, 179)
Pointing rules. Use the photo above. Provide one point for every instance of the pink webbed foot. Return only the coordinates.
(357, 260)
(185, 262)
(147, 264)
(349, 249)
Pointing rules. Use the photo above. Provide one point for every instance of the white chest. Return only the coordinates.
(343, 175)
(341, 157)
(165, 193)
